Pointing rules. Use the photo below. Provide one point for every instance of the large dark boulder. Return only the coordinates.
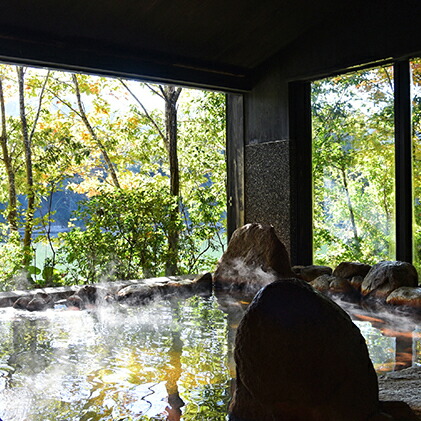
(254, 257)
(299, 357)
(386, 276)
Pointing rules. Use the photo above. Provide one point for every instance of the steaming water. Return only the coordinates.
(131, 363)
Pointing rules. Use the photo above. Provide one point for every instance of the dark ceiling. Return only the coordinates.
(214, 43)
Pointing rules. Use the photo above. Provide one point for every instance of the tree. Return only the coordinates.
(353, 166)
(95, 137)
(92, 136)
(12, 215)
(170, 94)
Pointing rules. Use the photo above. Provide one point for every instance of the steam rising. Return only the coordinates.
(251, 277)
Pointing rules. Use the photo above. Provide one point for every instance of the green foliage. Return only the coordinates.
(68, 161)
(10, 260)
(124, 236)
(353, 167)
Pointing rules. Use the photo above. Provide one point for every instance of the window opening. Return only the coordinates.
(150, 204)
(353, 167)
(416, 139)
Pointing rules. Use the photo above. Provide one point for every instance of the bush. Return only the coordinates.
(124, 236)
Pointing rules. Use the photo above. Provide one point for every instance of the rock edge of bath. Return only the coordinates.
(131, 292)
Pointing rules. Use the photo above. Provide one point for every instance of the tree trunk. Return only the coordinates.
(12, 217)
(171, 95)
(30, 194)
(351, 210)
(82, 114)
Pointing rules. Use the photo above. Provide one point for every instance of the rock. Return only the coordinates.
(402, 384)
(254, 257)
(88, 294)
(37, 304)
(22, 302)
(135, 294)
(296, 270)
(348, 270)
(75, 301)
(310, 273)
(356, 282)
(322, 283)
(397, 410)
(299, 357)
(340, 286)
(386, 276)
(203, 284)
(405, 296)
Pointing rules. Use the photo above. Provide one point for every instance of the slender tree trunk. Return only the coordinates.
(171, 95)
(30, 194)
(82, 114)
(351, 209)
(11, 184)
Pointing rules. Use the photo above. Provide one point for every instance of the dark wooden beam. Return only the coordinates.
(403, 161)
(87, 56)
(235, 162)
(302, 185)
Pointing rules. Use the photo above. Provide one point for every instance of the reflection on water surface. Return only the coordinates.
(166, 361)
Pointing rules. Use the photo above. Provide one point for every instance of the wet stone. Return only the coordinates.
(386, 276)
(22, 302)
(310, 273)
(135, 293)
(285, 320)
(340, 286)
(37, 304)
(348, 270)
(254, 257)
(356, 282)
(322, 283)
(405, 296)
(87, 293)
(75, 301)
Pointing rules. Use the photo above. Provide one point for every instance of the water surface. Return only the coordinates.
(170, 360)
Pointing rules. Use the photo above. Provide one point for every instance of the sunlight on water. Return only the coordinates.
(114, 363)
(165, 361)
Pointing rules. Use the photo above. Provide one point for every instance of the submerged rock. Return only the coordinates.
(386, 276)
(300, 357)
(254, 257)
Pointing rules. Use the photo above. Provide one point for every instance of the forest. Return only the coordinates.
(354, 166)
(107, 178)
